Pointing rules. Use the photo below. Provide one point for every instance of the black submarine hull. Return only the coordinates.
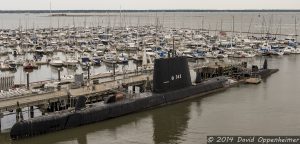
(60, 121)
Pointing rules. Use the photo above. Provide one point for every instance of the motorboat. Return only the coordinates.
(29, 64)
(109, 58)
(97, 61)
(71, 61)
(288, 50)
(295, 51)
(122, 58)
(39, 49)
(85, 58)
(56, 61)
(211, 54)
(11, 64)
(278, 52)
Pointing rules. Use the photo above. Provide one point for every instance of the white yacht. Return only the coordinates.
(123, 58)
(71, 61)
(109, 58)
(288, 50)
(295, 51)
(56, 61)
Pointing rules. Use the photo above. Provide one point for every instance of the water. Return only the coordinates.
(261, 22)
(277, 22)
(283, 22)
(270, 108)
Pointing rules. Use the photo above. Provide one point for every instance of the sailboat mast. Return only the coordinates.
(50, 14)
(221, 25)
(241, 25)
(156, 31)
(280, 28)
(250, 26)
(296, 28)
(202, 23)
(73, 22)
(58, 22)
(232, 33)
(233, 25)
(120, 16)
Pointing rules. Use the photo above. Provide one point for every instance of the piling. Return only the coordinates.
(19, 115)
(1, 116)
(31, 111)
(88, 71)
(137, 67)
(173, 54)
(27, 75)
(59, 79)
(114, 67)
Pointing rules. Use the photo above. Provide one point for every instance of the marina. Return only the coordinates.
(59, 72)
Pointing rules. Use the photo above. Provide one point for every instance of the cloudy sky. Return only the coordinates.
(148, 4)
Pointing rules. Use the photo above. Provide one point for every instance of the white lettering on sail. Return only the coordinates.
(178, 76)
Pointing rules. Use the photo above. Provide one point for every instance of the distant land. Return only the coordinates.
(117, 11)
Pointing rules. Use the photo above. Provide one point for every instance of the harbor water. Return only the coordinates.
(254, 22)
(269, 108)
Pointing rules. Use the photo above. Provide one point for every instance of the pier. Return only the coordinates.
(107, 83)
(42, 99)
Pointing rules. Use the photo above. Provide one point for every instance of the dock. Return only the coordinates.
(92, 77)
(44, 98)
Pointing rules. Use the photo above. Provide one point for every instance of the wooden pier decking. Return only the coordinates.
(96, 76)
(39, 99)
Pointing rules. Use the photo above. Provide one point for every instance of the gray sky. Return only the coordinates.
(148, 4)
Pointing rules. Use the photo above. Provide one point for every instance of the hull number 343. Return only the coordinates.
(175, 77)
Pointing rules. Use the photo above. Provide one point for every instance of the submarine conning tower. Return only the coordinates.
(171, 74)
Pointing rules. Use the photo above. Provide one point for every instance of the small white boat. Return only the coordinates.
(71, 61)
(150, 52)
(123, 58)
(49, 50)
(250, 54)
(4, 66)
(69, 78)
(277, 52)
(51, 85)
(253, 80)
(85, 58)
(211, 55)
(109, 58)
(39, 49)
(295, 51)
(56, 61)
(288, 50)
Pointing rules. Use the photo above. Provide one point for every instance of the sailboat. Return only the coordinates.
(147, 61)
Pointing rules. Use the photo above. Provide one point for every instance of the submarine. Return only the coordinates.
(171, 84)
